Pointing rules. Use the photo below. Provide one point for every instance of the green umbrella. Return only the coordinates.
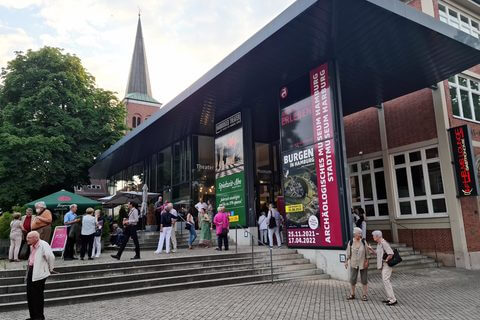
(61, 200)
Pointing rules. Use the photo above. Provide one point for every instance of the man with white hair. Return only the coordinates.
(42, 222)
(384, 254)
(40, 265)
(173, 236)
(69, 221)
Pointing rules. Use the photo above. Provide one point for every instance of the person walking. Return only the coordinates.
(221, 227)
(361, 221)
(384, 254)
(357, 257)
(191, 228)
(42, 222)
(97, 243)
(130, 225)
(274, 221)
(40, 264)
(263, 227)
(69, 220)
(205, 229)
(16, 235)
(166, 223)
(89, 225)
(26, 228)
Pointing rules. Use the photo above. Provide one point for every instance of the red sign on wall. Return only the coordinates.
(465, 169)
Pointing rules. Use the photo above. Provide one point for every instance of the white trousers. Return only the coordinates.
(386, 274)
(277, 235)
(164, 236)
(264, 236)
(97, 247)
(15, 243)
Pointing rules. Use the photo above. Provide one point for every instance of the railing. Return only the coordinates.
(413, 241)
(252, 237)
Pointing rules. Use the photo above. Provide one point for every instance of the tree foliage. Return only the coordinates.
(54, 122)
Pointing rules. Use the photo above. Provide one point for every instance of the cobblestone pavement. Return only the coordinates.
(438, 294)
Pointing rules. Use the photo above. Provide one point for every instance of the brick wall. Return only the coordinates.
(387, 235)
(138, 109)
(362, 132)
(410, 119)
(427, 239)
(471, 221)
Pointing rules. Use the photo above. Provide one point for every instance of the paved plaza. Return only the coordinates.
(439, 294)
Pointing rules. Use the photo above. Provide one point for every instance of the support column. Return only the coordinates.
(389, 172)
(454, 207)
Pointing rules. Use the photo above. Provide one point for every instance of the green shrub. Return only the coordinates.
(105, 229)
(5, 220)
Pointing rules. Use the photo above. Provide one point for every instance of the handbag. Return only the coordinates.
(188, 226)
(396, 259)
(98, 232)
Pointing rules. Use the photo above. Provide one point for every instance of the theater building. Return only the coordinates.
(321, 112)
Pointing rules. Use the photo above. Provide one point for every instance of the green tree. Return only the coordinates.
(54, 122)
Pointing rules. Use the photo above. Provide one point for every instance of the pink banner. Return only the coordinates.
(59, 238)
(330, 232)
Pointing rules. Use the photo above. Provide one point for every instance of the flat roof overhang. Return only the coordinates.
(384, 49)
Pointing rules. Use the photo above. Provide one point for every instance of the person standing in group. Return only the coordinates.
(97, 243)
(26, 228)
(40, 265)
(263, 227)
(166, 223)
(274, 222)
(191, 229)
(210, 209)
(69, 220)
(384, 249)
(173, 236)
(222, 226)
(205, 229)
(158, 207)
(15, 237)
(130, 225)
(357, 257)
(42, 222)
(89, 225)
(361, 221)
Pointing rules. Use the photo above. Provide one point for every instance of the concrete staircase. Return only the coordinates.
(411, 259)
(90, 282)
(149, 240)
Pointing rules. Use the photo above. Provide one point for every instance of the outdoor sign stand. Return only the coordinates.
(59, 239)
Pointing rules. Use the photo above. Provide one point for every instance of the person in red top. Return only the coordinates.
(221, 226)
(26, 228)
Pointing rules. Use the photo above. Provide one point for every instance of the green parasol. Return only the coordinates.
(61, 200)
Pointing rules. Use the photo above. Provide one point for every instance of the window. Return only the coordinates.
(367, 183)
(136, 121)
(458, 19)
(465, 95)
(418, 182)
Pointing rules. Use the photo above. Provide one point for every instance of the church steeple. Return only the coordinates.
(138, 87)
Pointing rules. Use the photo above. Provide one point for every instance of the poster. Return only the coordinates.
(231, 193)
(229, 168)
(59, 238)
(310, 181)
(462, 153)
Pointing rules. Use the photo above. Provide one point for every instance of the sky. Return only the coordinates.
(183, 38)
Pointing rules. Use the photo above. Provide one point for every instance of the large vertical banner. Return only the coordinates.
(311, 190)
(229, 168)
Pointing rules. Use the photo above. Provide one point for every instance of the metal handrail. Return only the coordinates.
(413, 241)
(270, 249)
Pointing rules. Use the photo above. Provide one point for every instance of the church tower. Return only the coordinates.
(138, 97)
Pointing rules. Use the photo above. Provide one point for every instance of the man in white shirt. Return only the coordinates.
(130, 225)
(274, 226)
(40, 265)
(201, 205)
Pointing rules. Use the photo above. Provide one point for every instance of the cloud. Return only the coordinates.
(11, 40)
(20, 4)
(182, 37)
